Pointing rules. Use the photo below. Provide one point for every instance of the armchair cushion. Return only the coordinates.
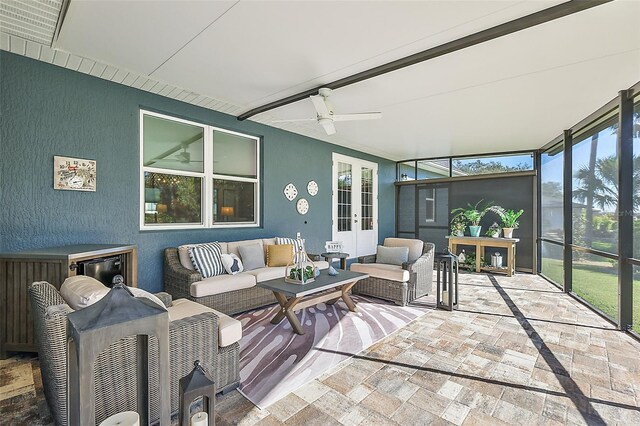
(221, 284)
(383, 271)
(392, 255)
(229, 329)
(81, 291)
(415, 246)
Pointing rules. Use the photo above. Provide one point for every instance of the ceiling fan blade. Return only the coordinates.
(295, 120)
(357, 116)
(321, 107)
(328, 126)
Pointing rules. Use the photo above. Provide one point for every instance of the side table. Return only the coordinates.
(335, 255)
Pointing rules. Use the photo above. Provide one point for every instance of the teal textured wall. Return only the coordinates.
(47, 110)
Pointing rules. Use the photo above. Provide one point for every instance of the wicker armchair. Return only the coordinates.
(192, 338)
(420, 268)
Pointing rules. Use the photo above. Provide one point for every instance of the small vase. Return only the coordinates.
(459, 233)
(508, 232)
(495, 235)
(475, 230)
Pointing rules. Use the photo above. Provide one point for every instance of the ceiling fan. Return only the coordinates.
(183, 157)
(325, 116)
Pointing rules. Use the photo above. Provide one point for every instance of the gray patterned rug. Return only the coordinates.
(275, 361)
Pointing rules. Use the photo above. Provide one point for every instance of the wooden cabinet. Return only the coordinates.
(18, 270)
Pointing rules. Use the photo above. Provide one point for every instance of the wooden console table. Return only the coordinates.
(54, 264)
(480, 243)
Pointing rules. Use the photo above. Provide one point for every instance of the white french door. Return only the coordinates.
(355, 205)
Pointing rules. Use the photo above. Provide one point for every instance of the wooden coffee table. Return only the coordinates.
(293, 297)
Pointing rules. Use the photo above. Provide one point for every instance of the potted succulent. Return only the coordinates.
(493, 231)
(510, 221)
(474, 214)
(457, 226)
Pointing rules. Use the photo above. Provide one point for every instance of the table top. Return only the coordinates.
(335, 255)
(69, 251)
(481, 239)
(322, 282)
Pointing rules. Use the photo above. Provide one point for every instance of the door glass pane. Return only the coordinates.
(234, 155)
(172, 145)
(430, 169)
(366, 216)
(551, 194)
(552, 265)
(595, 188)
(172, 198)
(233, 201)
(636, 182)
(345, 178)
(595, 279)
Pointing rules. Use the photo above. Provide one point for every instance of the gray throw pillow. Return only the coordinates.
(252, 256)
(392, 255)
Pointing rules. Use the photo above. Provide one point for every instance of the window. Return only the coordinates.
(430, 213)
(196, 176)
(552, 193)
(494, 164)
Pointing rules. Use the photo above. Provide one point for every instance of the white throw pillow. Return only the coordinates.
(232, 263)
(81, 291)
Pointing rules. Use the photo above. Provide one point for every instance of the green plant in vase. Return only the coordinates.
(474, 214)
(510, 221)
(493, 231)
(457, 227)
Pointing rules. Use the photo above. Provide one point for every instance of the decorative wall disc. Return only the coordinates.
(290, 191)
(302, 206)
(312, 188)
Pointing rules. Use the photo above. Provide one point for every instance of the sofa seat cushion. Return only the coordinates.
(229, 329)
(383, 271)
(267, 273)
(222, 284)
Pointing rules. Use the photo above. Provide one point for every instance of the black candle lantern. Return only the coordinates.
(447, 281)
(197, 384)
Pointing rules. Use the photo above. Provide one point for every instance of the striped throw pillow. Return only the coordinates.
(297, 245)
(207, 259)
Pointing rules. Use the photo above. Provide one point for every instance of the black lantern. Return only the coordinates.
(91, 330)
(447, 282)
(197, 384)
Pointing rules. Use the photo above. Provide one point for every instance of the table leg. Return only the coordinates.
(287, 309)
(343, 263)
(482, 253)
(510, 260)
(478, 254)
(347, 299)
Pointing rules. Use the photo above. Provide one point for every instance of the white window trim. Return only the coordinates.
(207, 179)
(433, 206)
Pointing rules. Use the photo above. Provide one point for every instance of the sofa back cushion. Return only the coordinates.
(279, 255)
(415, 246)
(233, 246)
(392, 255)
(252, 255)
(207, 259)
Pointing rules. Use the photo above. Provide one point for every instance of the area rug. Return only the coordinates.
(275, 361)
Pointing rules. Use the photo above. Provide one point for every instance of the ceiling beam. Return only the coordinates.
(537, 18)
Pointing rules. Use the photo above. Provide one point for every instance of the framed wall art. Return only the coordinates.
(74, 174)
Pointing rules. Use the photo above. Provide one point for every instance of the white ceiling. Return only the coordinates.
(515, 92)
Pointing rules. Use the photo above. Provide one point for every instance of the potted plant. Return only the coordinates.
(493, 231)
(457, 226)
(473, 215)
(510, 221)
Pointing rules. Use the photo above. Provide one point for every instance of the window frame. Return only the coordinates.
(207, 177)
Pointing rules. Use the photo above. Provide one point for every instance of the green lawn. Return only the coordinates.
(595, 286)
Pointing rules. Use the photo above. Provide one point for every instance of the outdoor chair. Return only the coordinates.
(397, 283)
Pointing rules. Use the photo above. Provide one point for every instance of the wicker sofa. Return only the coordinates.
(191, 337)
(230, 294)
(399, 284)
